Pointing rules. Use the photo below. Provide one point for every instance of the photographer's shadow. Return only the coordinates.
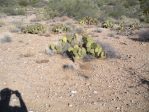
(5, 96)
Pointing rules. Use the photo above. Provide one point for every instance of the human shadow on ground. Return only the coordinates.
(5, 96)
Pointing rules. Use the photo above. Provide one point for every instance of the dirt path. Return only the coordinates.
(112, 85)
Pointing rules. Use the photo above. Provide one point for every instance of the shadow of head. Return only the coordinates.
(143, 36)
(5, 95)
(5, 98)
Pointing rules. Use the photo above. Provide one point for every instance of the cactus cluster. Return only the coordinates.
(78, 49)
(107, 24)
(93, 48)
(88, 21)
(60, 28)
(34, 29)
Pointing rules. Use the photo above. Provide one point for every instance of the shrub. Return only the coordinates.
(144, 6)
(59, 28)
(45, 13)
(107, 24)
(34, 29)
(78, 49)
(14, 11)
(88, 21)
(23, 3)
(8, 3)
(75, 8)
(125, 25)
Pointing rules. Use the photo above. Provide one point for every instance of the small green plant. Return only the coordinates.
(60, 28)
(107, 24)
(34, 29)
(23, 3)
(78, 47)
(88, 21)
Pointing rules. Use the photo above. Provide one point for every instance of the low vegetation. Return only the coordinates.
(60, 28)
(34, 29)
(88, 21)
(77, 47)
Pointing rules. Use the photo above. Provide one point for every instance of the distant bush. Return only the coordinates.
(126, 25)
(144, 4)
(23, 3)
(14, 11)
(75, 8)
(45, 13)
(8, 3)
(60, 28)
(34, 29)
(88, 21)
(107, 24)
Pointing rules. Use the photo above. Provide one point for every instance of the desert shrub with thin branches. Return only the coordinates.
(75, 8)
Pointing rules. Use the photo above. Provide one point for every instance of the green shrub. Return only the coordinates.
(88, 21)
(77, 48)
(146, 19)
(75, 8)
(60, 28)
(144, 4)
(45, 13)
(126, 25)
(14, 11)
(8, 3)
(34, 29)
(23, 3)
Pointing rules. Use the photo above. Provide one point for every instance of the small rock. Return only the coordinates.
(5, 39)
(117, 108)
(70, 105)
(95, 92)
(49, 52)
(73, 92)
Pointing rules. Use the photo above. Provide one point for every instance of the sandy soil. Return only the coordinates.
(116, 84)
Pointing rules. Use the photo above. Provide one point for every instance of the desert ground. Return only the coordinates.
(119, 83)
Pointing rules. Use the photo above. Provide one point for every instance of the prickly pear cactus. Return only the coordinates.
(88, 21)
(77, 49)
(60, 28)
(93, 48)
(107, 24)
(34, 29)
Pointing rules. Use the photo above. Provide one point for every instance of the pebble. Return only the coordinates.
(73, 92)
(117, 108)
(70, 105)
(49, 52)
(95, 92)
